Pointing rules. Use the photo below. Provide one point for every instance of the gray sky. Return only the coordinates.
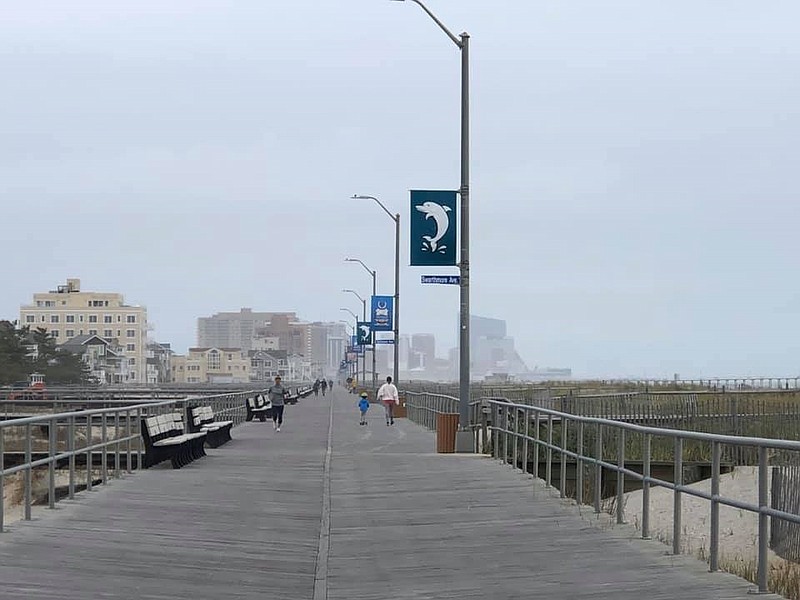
(634, 167)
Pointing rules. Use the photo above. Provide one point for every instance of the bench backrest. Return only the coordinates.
(201, 415)
(257, 402)
(163, 426)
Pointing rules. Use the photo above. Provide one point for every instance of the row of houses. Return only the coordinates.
(107, 363)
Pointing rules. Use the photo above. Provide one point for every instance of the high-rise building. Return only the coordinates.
(267, 331)
(423, 346)
(236, 330)
(491, 350)
(67, 312)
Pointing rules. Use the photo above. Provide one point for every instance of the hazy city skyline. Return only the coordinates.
(634, 192)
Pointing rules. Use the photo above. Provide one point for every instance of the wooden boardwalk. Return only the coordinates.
(347, 512)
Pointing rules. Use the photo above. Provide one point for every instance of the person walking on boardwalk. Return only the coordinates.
(276, 394)
(315, 387)
(363, 407)
(324, 386)
(387, 395)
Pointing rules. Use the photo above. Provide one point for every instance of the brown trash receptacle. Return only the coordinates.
(400, 408)
(446, 427)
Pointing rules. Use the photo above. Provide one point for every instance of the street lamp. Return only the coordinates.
(348, 331)
(363, 302)
(355, 332)
(462, 42)
(396, 219)
(374, 292)
(364, 318)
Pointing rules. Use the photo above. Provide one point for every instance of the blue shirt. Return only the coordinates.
(363, 405)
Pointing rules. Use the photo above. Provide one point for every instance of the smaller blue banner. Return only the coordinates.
(390, 342)
(382, 313)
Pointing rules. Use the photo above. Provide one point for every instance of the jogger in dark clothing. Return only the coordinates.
(276, 395)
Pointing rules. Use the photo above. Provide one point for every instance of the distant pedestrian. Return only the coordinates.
(330, 384)
(324, 386)
(316, 387)
(276, 394)
(363, 407)
(387, 395)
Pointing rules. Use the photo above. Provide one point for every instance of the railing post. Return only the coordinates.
(2, 477)
(104, 448)
(71, 450)
(763, 519)
(563, 470)
(484, 431)
(715, 468)
(507, 453)
(527, 417)
(88, 453)
(495, 436)
(549, 466)
(598, 469)
(51, 466)
(139, 441)
(579, 466)
(620, 476)
(515, 438)
(676, 503)
(536, 442)
(28, 473)
(116, 445)
(646, 488)
(128, 434)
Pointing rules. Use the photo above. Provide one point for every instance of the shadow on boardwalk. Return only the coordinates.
(245, 522)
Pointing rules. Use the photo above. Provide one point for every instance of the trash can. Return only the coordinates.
(446, 427)
(400, 408)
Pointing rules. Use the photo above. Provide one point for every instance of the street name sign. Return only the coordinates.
(445, 279)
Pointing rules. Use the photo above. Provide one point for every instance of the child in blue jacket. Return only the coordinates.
(363, 406)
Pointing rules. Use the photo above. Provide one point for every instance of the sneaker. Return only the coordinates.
(392, 421)
(278, 429)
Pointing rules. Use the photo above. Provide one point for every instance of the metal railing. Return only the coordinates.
(511, 430)
(57, 441)
(423, 407)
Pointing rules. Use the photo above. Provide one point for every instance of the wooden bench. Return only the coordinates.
(201, 418)
(165, 439)
(258, 406)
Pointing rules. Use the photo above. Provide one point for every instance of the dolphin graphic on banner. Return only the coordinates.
(438, 213)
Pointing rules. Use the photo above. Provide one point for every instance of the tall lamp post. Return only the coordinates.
(396, 218)
(348, 331)
(462, 42)
(374, 293)
(355, 332)
(363, 318)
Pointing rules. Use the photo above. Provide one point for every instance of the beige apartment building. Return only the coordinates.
(67, 312)
(211, 365)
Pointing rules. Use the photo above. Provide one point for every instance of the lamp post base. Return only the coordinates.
(465, 442)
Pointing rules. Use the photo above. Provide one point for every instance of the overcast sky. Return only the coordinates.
(634, 167)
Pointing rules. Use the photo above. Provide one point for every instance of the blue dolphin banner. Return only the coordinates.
(364, 333)
(382, 313)
(433, 228)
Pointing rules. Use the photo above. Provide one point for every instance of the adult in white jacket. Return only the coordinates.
(387, 395)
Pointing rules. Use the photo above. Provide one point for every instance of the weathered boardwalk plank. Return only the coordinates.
(244, 522)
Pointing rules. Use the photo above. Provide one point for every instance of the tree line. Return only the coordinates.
(23, 352)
